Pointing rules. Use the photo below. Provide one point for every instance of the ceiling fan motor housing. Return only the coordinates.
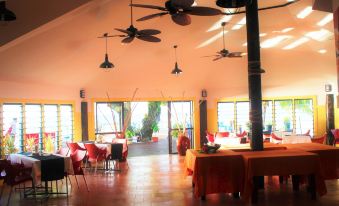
(231, 3)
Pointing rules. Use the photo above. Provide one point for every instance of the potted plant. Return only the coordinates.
(155, 129)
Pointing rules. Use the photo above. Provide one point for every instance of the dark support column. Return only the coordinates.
(84, 121)
(203, 121)
(254, 75)
(329, 118)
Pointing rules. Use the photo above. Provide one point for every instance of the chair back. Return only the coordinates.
(307, 133)
(63, 151)
(276, 137)
(13, 171)
(73, 146)
(77, 158)
(116, 151)
(319, 140)
(222, 134)
(243, 134)
(92, 150)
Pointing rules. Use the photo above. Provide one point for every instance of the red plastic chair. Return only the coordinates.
(77, 157)
(95, 154)
(73, 146)
(210, 137)
(64, 151)
(243, 134)
(276, 137)
(222, 134)
(16, 174)
(307, 133)
(319, 140)
(335, 133)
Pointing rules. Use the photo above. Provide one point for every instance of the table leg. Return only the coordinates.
(312, 186)
(295, 182)
(236, 195)
(256, 185)
(203, 197)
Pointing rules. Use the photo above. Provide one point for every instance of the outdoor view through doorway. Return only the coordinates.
(151, 128)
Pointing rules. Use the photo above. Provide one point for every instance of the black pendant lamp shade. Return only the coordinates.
(106, 64)
(5, 14)
(176, 71)
(231, 3)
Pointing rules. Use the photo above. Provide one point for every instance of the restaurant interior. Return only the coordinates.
(171, 102)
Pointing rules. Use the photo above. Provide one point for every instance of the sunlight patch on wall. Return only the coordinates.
(211, 40)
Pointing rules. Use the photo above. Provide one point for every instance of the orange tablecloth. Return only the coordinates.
(222, 172)
(329, 157)
(247, 147)
(282, 162)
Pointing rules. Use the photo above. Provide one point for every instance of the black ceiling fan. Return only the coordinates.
(224, 52)
(179, 11)
(131, 33)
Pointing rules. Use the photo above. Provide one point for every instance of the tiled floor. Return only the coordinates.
(160, 180)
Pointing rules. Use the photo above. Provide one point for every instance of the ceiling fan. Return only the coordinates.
(131, 32)
(179, 11)
(224, 52)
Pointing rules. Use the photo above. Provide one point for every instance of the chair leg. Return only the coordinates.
(76, 180)
(56, 185)
(85, 182)
(70, 182)
(66, 187)
(9, 196)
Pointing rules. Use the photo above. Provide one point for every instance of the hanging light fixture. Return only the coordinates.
(106, 64)
(176, 71)
(5, 14)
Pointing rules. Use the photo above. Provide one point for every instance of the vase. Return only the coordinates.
(183, 144)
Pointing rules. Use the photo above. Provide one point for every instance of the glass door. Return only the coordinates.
(180, 119)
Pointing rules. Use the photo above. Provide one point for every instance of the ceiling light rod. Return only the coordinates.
(223, 33)
(176, 71)
(131, 12)
(265, 8)
(106, 64)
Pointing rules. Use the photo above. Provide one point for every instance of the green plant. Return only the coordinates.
(155, 127)
(129, 133)
(151, 119)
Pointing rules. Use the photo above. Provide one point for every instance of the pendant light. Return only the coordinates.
(176, 71)
(5, 14)
(106, 64)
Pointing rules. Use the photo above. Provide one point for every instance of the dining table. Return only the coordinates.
(296, 139)
(220, 172)
(45, 167)
(282, 163)
(329, 157)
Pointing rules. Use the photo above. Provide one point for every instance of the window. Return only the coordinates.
(12, 128)
(66, 124)
(242, 113)
(285, 115)
(304, 116)
(51, 132)
(26, 125)
(109, 117)
(226, 116)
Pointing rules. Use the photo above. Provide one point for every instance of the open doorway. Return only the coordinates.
(151, 128)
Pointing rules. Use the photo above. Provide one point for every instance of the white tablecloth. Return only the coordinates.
(107, 145)
(295, 139)
(227, 140)
(36, 164)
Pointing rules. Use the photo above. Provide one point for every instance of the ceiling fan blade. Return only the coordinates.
(149, 6)
(127, 40)
(211, 56)
(148, 32)
(181, 19)
(203, 11)
(149, 38)
(235, 54)
(182, 3)
(152, 16)
(219, 57)
(123, 31)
